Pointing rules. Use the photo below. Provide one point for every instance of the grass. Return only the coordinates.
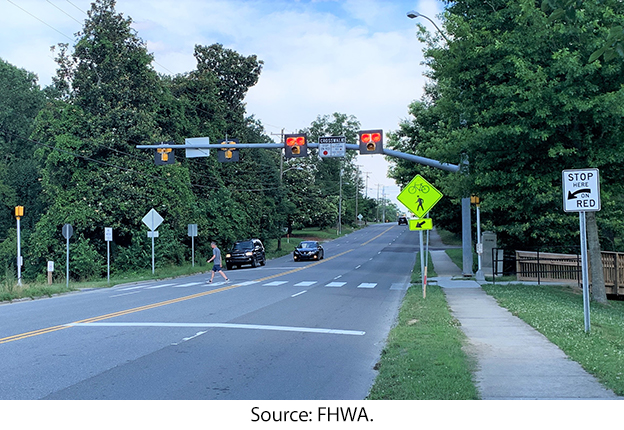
(423, 357)
(557, 313)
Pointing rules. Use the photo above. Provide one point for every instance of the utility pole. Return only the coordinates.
(279, 235)
(366, 191)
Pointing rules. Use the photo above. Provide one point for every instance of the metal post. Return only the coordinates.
(585, 270)
(193, 251)
(422, 266)
(108, 261)
(480, 275)
(340, 206)
(67, 265)
(19, 253)
(466, 239)
(152, 252)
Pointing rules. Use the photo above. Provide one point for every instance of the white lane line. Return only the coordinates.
(358, 266)
(367, 285)
(335, 284)
(188, 284)
(132, 288)
(299, 293)
(159, 286)
(305, 284)
(223, 325)
(274, 283)
(338, 277)
(125, 294)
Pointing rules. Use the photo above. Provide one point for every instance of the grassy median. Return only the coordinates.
(423, 358)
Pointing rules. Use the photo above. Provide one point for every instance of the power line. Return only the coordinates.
(40, 20)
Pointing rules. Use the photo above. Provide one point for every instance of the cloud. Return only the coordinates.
(358, 57)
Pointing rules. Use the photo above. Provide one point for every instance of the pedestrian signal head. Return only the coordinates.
(296, 145)
(371, 141)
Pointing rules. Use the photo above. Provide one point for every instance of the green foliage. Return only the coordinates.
(72, 157)
(423, 358)
(516, 93)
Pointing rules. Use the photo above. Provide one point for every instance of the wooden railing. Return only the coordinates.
(566, 268)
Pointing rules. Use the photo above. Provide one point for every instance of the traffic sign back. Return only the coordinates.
(419, 196)
(152, 220)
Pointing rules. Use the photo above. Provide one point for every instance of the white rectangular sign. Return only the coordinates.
(581, 190)
(108, 234)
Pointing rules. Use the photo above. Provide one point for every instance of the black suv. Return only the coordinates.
(403, 220)
(249, 251)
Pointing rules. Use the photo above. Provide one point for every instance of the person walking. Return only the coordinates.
(216, 256)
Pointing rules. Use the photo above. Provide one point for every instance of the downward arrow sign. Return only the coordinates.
(582, 190)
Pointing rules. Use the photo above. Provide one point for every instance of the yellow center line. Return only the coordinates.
(379, 235)
(169, 302)
(154, 305)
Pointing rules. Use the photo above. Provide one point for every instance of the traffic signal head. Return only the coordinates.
(296, 145)
(164, 155)
(228, 155)
(19, 211)
(371, 141)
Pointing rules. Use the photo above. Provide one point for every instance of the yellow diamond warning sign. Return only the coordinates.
(419, 196)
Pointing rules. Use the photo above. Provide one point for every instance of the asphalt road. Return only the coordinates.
(288, 330)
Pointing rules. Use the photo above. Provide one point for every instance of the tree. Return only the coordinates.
(515, 91)
(93, 176)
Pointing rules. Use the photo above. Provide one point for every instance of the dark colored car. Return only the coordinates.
(309, 250)
(244, 252)
(402, 220)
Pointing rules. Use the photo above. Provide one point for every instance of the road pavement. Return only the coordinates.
(288, 330)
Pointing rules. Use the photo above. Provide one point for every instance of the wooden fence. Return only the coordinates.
(566, 269)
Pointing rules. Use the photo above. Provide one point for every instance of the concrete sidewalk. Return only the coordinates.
(514, 361)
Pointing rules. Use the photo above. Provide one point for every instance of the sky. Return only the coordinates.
(355, 57)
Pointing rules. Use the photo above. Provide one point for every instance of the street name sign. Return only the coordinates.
(419, 196)
(421, 224)
(581, 190)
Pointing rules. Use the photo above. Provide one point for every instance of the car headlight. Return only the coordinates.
(249, 253)
(228, 255)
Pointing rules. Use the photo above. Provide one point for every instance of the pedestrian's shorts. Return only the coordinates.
(216, 268)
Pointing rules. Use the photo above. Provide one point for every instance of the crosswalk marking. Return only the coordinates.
(335, 284)
(274, 283)
(305, 284)
(188, 284)
(367, 285)
(159, 286)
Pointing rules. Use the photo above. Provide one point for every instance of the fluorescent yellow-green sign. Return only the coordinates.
(421, 224)
(419, 196)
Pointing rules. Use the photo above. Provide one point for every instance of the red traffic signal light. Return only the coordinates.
(296, 145)
(371, 141)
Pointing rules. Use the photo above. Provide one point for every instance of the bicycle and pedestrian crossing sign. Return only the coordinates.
(419, 196)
